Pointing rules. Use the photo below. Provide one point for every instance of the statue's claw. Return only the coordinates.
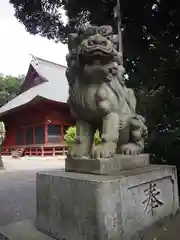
(104, 150)
(130, 149)
(77, 150)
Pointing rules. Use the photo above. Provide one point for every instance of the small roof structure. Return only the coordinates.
(54, 87)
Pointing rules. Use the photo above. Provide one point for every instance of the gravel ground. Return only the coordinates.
(18, 187)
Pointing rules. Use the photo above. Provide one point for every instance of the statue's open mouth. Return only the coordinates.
(98, 49)
(93, 53)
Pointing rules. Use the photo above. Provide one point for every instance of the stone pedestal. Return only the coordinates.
(106, 166)
(74, 206)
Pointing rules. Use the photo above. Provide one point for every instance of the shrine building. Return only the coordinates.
(36, 119)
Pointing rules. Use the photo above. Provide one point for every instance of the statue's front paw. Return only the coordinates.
(104, 150)
(73, 151)
(130, 149)
(77, 150)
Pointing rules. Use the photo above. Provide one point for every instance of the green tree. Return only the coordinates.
(151, 36)
(9, 87)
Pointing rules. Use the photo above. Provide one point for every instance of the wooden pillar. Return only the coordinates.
(46, 133)
(24, 133)
(34, 136)
(64, 151)
(42, 151)
(54, 151)
(62, 133)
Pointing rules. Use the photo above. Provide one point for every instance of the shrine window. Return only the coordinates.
(20, 137)
(40, 134)
(29, 135)
(54, 133)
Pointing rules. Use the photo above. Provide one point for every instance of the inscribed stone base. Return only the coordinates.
(73, 206)
(106, 166)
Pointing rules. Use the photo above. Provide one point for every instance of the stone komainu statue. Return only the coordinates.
(99, 98)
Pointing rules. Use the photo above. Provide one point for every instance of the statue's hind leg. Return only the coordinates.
(137, 135)
(84, 139)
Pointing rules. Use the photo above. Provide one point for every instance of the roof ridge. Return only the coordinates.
(54, 63)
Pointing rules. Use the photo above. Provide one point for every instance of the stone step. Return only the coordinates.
(24, 230)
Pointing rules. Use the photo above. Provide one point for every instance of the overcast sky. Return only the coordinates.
(16, 44)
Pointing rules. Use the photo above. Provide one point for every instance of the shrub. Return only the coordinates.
(97, 139)
(70, 137)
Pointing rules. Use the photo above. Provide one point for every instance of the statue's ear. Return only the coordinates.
(105, 30)
(85, 31)
(115, 38)
(72, 41)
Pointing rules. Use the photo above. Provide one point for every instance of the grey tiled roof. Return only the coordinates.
(55, 88)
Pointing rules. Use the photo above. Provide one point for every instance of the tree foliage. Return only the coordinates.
(151, 40)
(9, 87)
